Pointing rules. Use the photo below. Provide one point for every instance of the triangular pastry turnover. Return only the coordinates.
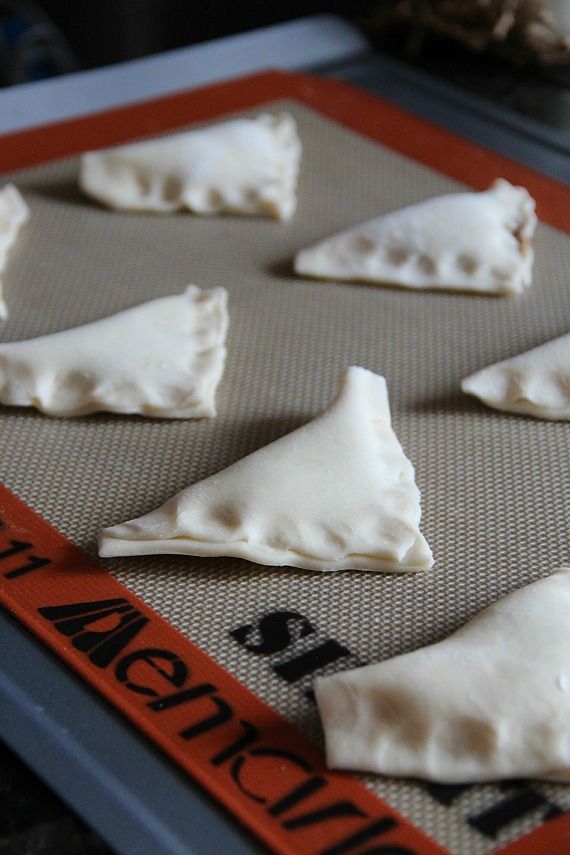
(492, 701)
(337, 493)
(466, 241)
(163, 358)
(13, 214)
(535, 383)
(243, 166)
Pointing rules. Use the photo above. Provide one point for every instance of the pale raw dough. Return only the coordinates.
(492, 701)
(243, 166)
(466, 241)
(13, 214)
(535, 383)
(335, 494)
(163, 358)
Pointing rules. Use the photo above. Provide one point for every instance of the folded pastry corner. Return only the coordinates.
(336, 494)
(164, 358)
(534, 383)
(243, 166)
(13, 214)
(490, 702)
(470, 241)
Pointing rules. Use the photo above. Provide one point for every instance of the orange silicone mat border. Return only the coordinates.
(256, 764)
(385, 123)
(551, 838)
(369, 115)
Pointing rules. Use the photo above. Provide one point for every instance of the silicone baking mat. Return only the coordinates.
(495, 488)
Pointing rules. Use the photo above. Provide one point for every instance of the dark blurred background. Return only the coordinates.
(110, 31)
(515, 52)
(86, 34)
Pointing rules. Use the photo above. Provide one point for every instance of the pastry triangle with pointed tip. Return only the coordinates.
(244, 166)
(492, 701)
(13, 214)
(163, 358)
(338, 493)
(466, 241)
(535, 383)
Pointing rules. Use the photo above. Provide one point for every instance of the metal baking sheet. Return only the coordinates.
(495, 487)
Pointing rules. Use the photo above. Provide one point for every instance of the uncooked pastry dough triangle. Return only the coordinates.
(492, 701)
(244, 166)
(13, 214)
(466, 241)
(337, 493)
(163, 358)
(536, 383)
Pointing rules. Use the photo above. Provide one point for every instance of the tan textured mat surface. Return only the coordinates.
(495, 488)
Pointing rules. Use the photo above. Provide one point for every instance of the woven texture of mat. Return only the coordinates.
(495, 487)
